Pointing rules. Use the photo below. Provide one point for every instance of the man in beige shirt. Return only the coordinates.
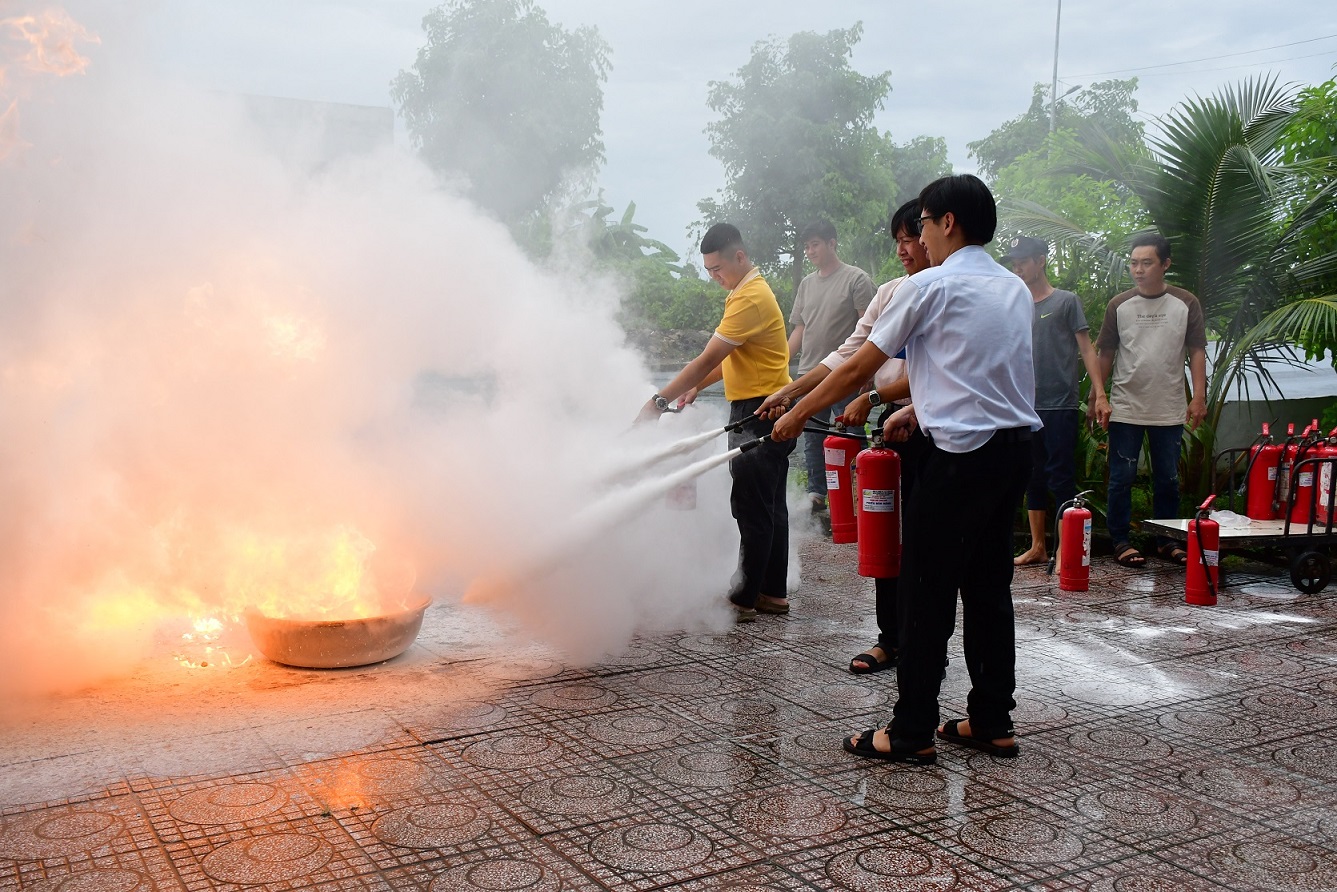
(827, 306)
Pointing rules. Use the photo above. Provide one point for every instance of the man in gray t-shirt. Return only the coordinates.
(828, 305)
(1058, 338)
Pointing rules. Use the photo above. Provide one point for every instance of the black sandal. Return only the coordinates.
(863, 746)
(949, 733)
(871, 663)
(1128, 556)
(1174, 554)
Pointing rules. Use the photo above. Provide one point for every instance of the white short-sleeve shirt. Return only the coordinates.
(966, 330)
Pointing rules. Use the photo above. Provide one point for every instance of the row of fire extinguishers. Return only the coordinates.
(863, 488)
(1277, 485)
(876, 524)
(864, 500)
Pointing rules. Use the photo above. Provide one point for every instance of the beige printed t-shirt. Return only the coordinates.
(1148, 336)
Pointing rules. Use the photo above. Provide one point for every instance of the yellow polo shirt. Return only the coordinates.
(753, 323)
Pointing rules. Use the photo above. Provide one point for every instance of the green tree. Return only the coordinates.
(1109, 105)
(795, 135)
(1047, 191)
(1081, 216)
(1222, 181)
(612, 242)
(506, 101)
(1310, 143)
(913, 166)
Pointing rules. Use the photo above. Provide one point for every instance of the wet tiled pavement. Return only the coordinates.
(1163, 747)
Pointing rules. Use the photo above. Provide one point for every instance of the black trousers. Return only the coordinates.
(911, 453)
(758, 504)
(958, 538)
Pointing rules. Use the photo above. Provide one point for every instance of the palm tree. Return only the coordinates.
(1217, 181)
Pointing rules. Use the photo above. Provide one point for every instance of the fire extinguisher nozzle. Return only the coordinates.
(752, 444)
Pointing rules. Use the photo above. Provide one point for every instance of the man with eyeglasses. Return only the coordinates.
(966, 327)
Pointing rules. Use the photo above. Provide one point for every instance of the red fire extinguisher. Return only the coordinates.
(879, 470)
(1326, 504)
(1202, 574)
(1261, 477)
(840, 454)
(1281, 491)
(1074, 545)
(1301, 500)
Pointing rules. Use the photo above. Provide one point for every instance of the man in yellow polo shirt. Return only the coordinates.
(750, 352)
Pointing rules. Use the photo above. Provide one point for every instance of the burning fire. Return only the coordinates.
(201, 649)
(44, 43)
(335, 575)
(51, 36)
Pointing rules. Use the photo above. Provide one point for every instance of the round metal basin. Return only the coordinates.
(334, 644)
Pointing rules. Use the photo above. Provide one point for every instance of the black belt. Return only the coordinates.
(1012, 435)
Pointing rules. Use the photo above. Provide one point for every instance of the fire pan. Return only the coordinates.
(335, 644)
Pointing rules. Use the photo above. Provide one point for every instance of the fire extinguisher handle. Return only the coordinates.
(834, 433)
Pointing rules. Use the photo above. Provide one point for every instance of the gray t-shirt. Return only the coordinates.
(1054, 327)
(828, 308)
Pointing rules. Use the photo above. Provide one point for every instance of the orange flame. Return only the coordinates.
(51, 37)
(45, 45)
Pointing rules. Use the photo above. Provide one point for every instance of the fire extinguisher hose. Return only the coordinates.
(1075, 502)
(1058, 525)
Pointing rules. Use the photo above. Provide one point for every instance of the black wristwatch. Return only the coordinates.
(660, 403)
(874, 398)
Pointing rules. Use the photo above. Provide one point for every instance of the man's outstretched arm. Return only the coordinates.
(698, 373)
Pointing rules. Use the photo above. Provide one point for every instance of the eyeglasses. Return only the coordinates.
(923, 217)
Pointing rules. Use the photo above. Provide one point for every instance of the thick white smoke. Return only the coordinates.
(226, 382)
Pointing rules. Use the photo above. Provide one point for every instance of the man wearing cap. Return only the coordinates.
(1058, 337)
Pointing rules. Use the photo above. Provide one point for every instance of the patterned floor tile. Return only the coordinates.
(646, 853)
(1246, 859)
(527, 867)
(103, 839)
(898, 860)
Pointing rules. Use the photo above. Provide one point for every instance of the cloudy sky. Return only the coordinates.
(957, 70)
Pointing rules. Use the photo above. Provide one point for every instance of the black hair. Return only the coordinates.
(907, 218)
(722, 238)
(966, 198)
(1152, 240)
(821, 229)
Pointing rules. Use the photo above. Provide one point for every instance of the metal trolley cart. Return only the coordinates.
(1305, 534)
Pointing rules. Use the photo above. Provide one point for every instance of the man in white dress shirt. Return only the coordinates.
(965, 325)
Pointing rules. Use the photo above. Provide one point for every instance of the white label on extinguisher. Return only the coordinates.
(1211, 557)
(833, 480)
(879, 501)
(835, 456)
(1086, 542)
(1272, 473)
(1306, 478)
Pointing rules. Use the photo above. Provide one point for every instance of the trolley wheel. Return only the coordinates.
(1311, 571)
